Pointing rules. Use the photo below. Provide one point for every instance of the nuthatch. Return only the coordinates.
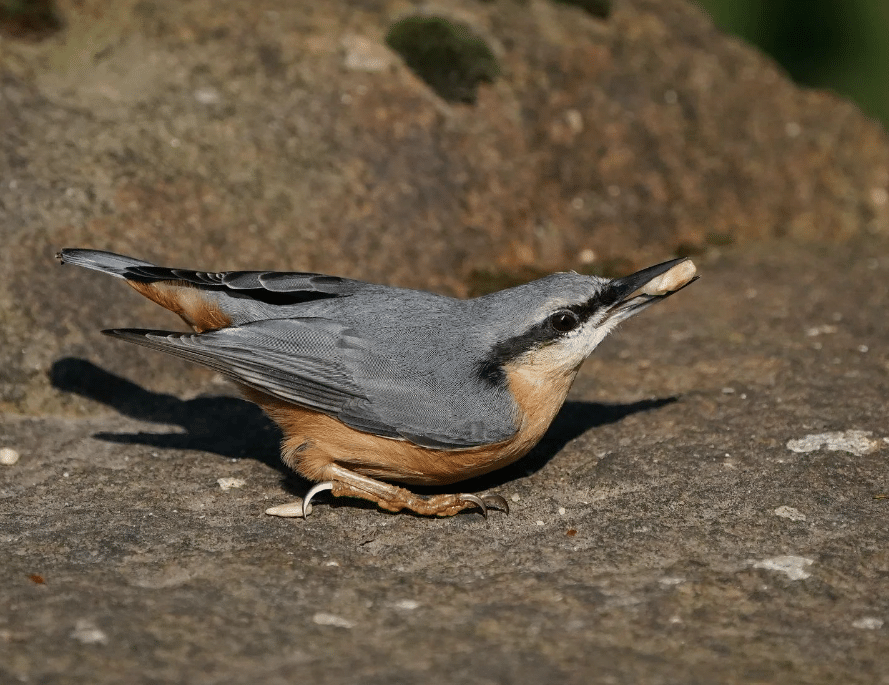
(371, 383)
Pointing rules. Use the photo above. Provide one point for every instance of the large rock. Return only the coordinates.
(288, 135)
(710, 506)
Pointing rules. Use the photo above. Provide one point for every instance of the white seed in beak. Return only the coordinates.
(667, 282)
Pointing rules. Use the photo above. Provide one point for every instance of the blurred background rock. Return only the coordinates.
(459, 147)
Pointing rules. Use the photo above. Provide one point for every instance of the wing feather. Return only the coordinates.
(295, 360)
(384, 381)
(323, 365)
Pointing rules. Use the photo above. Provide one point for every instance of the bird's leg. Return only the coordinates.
(346, 483)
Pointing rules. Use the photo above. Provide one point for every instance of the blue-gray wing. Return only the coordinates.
(326, 366)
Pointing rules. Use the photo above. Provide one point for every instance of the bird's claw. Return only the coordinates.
(487, 501)
(477, 501)
(320, 487)
(496, 502)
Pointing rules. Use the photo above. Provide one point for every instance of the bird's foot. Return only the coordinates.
(346, 483)
(433, 505)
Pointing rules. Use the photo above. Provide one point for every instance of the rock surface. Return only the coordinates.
(645, 543)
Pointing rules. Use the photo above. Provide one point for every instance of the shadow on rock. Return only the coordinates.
(228, 426)
(235, 428)
(575, 419)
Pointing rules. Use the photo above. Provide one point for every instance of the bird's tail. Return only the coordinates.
(99, 260)
(203, 309)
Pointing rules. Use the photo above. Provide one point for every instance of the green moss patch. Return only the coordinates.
(446, 55)
(29, 19)
(598, 8)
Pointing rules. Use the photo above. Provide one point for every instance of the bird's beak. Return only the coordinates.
(633, 293)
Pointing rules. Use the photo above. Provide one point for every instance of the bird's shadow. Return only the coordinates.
(237, 429)
(573, 420)
(227, 426)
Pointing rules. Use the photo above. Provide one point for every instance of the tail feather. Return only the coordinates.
(213, 300)
(99, 260)
(201, 309)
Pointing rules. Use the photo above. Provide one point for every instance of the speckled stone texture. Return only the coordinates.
(663, 531)
(219, 135)
(671, 527)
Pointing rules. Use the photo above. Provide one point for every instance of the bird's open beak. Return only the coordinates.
(635, 292)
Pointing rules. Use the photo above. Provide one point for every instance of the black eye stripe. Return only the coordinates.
(490, 369)
(588, 309)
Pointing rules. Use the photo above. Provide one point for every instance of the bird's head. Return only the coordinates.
(557, 321)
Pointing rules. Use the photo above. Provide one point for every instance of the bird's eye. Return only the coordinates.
(564, 320)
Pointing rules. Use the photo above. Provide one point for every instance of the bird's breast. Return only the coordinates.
(313, 441)
(539, 390)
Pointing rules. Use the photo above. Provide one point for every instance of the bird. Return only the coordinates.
(377, 387)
